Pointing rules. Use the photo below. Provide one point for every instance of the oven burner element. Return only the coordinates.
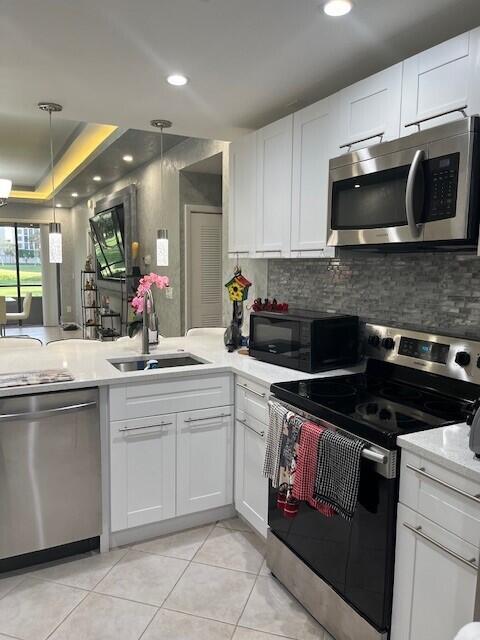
(334, 390)
(400, 392)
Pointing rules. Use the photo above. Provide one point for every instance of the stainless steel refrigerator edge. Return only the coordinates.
(50, 471)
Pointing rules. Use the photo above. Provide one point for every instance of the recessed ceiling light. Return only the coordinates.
(58, 205)
(97, 178)
(127, 158)
(177, 79)
(337, 8)
(74, 194)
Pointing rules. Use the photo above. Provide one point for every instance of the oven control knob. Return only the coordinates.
(374, 341)
(462, 358)
(388, 343)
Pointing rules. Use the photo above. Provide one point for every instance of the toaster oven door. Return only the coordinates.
(278, 340)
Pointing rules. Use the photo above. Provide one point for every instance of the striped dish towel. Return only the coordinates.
(305, 474)
(277, 416)
(338, 472)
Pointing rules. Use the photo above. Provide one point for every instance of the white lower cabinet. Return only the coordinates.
(251, 486)
(204, 459)
(175, 462)
(142, 460)
(437, 551)
(434, 584)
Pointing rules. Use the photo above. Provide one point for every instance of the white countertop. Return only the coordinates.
(88, 363)
(447, 446)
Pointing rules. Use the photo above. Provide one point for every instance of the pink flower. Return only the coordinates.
(145, 284)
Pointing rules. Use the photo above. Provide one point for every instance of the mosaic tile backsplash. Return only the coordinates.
(435, 291)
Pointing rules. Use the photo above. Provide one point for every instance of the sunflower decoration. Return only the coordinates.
(238, 287)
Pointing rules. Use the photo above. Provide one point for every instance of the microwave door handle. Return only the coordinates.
(410, 193)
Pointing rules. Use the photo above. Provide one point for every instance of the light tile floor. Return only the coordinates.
(208, 583)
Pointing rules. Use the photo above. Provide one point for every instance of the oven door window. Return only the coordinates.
(276, 336)
(374, 200)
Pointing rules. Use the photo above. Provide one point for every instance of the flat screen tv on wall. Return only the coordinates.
(108, 237)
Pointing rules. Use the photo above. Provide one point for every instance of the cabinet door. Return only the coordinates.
(242, 197)
(440, 79)
(142, 457)
(434, 592)
(369, 110)
(312, 149)
(251, 487)
(204, 459)
(274, 189)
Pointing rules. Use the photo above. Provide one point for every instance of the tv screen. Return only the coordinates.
(108, 230)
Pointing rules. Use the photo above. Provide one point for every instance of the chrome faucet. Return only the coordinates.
(150, 321)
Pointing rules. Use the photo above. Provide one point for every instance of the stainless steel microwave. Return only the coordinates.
(421, 190)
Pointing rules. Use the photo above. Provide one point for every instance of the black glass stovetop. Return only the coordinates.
(384, 402)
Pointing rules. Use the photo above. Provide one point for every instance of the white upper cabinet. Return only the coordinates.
(312, 148)
(242, 196)
(441, 79)
(369, 111)
(274, 189)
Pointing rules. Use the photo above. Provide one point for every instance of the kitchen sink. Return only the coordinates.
(156, 362)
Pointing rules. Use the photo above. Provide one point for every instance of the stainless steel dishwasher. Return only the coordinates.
(50, 478)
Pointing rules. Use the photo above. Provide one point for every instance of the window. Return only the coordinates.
(20, 261)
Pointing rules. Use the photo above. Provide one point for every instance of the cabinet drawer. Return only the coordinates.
(251, 399)
(170, 396)
(442, 496)
(435, 580)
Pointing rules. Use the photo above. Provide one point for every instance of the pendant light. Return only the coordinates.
(5, 188)
(162, 234)
(54, 230)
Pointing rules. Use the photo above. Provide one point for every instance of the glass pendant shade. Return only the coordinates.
(54, 243)
(162, 248)
(5, 188)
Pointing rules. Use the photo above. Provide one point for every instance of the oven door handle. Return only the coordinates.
(413, 174)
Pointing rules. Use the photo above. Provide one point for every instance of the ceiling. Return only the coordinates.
(25, 146)
(143, 146)
(249, 61)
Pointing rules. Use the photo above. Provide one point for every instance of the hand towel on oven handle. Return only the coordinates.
(338, 472)
(277, 417)
(306, 469)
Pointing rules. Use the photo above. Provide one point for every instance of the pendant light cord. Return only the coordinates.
(51, 165)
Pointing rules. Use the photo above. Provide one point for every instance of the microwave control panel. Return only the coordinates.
(441, 182)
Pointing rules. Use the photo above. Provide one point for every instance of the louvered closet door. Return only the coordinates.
(204, 260)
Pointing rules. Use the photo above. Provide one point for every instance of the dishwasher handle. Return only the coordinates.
(45, 413)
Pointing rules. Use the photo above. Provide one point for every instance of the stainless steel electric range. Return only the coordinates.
(343, 571)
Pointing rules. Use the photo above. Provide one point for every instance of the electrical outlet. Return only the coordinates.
(169, 293)
(69, 309)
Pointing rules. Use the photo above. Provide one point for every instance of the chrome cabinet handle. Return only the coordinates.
(245, 424)
(417, 123)
(221, 415)
(418, 531)
(421, 471)
(46, 412)
(348, 145)
(150, 426)
(255, 393)
(412, 176)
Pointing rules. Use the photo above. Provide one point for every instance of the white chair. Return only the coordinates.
(25, 313)
(206, 331)
(3, 315)
(23, 342)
